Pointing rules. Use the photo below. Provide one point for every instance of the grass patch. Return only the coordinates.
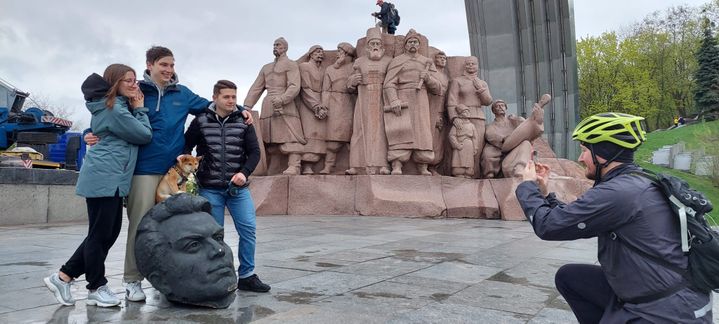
(696, 137)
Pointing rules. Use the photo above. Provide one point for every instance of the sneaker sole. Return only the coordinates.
(135, 299)
(56, 292)
(93, 302)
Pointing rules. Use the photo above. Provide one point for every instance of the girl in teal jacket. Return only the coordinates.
(120, 118)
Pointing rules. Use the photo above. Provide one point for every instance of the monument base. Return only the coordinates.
(404, 196)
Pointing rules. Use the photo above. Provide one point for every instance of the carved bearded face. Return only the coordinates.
(412, 45)
(318, 55)
(375, 49)
(341, 57)
(279, 48)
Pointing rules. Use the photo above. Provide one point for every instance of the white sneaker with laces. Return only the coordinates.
(60, 288)
(133, 291)
(103, 297)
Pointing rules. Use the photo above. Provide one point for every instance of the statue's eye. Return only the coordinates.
(192, 246)
(219, 237)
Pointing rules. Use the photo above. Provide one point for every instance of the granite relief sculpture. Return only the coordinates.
(509, 139)
(279, 119)
(406, 111)
(339, 101)
(368, 145)
(471, 92)
(313, 113)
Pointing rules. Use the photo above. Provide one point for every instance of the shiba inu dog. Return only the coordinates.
(175, 180)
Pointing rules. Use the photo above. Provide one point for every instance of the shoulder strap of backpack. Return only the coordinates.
(680, 208)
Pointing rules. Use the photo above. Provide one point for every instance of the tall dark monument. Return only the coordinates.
(527, 48)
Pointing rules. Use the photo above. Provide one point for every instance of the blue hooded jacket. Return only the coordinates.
(168, 110)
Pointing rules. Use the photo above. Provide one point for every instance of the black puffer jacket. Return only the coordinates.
(227, 146)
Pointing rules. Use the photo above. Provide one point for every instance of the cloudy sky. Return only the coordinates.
(48, 47)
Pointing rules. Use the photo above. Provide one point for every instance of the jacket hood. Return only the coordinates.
(95, 87)
(173, 81)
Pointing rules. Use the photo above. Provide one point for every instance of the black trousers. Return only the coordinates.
(105, 216)
(586, 290)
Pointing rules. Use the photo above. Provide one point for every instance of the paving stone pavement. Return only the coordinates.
(326, 269)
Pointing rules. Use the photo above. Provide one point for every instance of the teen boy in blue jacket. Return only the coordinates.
(169, 104)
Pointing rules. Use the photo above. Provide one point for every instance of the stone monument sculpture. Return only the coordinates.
(469, 91)
(508, 139)
(406, 114)
(464, 139)
(312, 112)
(279, 118)
(180, 249)
(339, 101)
(368, 145)
(438, 111)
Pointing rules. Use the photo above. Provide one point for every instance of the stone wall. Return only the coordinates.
(36, 196)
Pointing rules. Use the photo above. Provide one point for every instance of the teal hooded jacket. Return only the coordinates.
(110, 163)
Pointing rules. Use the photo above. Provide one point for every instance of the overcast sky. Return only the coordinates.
(49, 47)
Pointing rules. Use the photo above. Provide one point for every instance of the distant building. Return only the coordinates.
(527, 48)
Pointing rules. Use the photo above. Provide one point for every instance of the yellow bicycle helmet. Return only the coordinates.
(622, 129)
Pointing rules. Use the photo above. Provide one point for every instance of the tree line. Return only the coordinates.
(667, 65)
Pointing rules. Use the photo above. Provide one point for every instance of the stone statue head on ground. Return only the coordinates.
(180, 249)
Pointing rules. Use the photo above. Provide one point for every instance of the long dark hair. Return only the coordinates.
(113, 75)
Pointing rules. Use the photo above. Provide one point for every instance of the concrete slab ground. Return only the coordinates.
(326, 269)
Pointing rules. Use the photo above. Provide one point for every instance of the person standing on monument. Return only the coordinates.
(312, 113)
(468, 90)
(387, 15)
(407, 116)
(279, 119)
(368, 146)
(340, 102)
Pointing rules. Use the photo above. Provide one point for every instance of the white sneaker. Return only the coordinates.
(60, 288)
(133, 291)
(103, 297)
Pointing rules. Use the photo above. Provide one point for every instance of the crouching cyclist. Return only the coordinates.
(621, 209)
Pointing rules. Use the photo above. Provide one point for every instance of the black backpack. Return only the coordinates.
(394, 14)
(699, 241)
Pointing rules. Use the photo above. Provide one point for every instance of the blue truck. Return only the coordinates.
(39, 129)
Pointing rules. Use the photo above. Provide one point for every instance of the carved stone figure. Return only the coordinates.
(180, 249)
(279, 118)
(508, 138)
(312, 112)
(368, 146)
(407, 117)
(438, 111)
(339, 101)
(464, 139)
(469, 91)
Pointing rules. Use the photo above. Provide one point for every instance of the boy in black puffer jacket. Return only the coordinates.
(230, 152)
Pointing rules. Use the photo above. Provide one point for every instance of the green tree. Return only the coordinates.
(706, 94)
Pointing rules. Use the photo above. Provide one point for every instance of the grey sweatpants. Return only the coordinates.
(140, 200)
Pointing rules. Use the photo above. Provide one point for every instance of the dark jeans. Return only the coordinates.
(586, 290)
(105, 216)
